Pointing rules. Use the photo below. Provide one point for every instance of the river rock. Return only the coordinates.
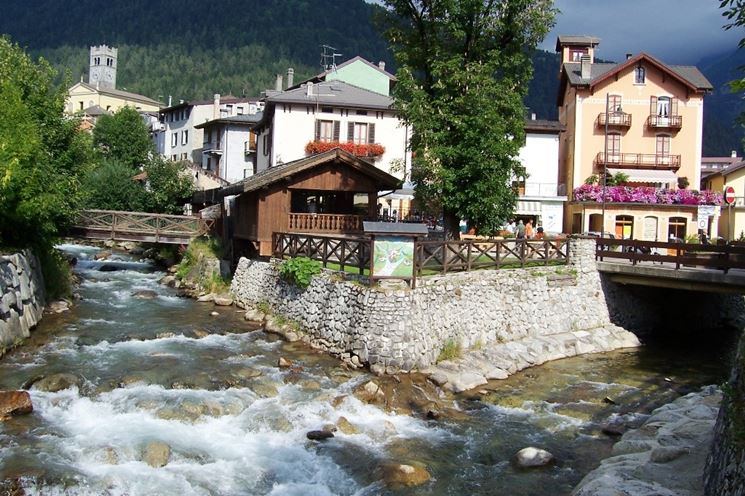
(206, 298)
(168, 280)
(15, 403)
(109, 268)
(346, 426)
(102, 255)
(165, 335)
(56, 382)
(254, 315)
(214, 314)
(533, 457)
(156, 454)
(58, 306)
(319, 435)
(145, 294)
(223, 300)
(200, 333)
(109, 456)
(397, 475)
(283, 363)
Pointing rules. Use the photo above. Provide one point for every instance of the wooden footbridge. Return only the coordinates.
(139, 226)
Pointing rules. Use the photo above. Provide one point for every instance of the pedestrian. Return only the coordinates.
(529, 229)
(520, 230)
(539, 233)
(511, 227)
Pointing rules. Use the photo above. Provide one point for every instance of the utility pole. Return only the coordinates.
(605, 162)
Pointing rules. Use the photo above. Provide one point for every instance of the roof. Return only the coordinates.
(246, 119)
(543, 126)
(223, 100)
(337, 93)
(95, 110)
(322, 76)
(733, 168)
(563, 40)
(285, 171)
(688, 75)
(120, 94)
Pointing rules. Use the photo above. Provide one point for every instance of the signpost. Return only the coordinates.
(393, 249)
(729, 195)
(729, 199)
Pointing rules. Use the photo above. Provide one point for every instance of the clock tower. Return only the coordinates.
(102, 71)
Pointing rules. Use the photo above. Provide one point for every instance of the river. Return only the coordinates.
(161, 368)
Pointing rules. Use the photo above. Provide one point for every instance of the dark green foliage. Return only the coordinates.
(111, 187)
(124, 137)
(168, 186)
(299, 271)
(463, 76)
(41, 152)
(57, 273)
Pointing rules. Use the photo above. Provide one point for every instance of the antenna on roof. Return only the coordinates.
(328, 58)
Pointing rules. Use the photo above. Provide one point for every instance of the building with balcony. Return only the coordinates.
(640, 119)
(730, 173)
(541, 198)
(229, 146)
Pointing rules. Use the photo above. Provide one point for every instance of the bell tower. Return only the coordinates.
(102, 71)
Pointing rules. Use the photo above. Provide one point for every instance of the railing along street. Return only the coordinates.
(719, 257)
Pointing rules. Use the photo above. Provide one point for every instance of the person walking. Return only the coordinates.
(529, 229)
(520, 230)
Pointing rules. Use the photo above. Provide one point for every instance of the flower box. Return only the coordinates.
(646, 194)
(367, 150)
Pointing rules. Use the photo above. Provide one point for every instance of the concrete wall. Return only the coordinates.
(406, 329)
(21, 297)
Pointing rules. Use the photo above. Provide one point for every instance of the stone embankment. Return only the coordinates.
(665, 456)
(501, 320)
(21, 297)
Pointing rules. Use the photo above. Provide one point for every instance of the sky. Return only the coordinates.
(675, 31)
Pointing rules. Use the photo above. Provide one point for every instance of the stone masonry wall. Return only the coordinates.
(405, 329)
(21, 297)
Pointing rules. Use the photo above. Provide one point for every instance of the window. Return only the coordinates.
(663, 145)
(575, 54)
(663, 106)
(97, 61)
(676, 228)
(174, 139)
(173, 158)
(327, 131)
(361, 133)
(184, 137)
(327, 110)
(614, 103)
(640, 75)
(184, 156)
(624, 226)
(81, 105)
(614, 147)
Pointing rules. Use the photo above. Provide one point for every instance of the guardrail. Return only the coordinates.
(140, 226)
(719, 257)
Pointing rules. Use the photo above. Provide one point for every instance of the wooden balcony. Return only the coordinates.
(325, 223)
(658, 122)
(615, 119)
(639, 161)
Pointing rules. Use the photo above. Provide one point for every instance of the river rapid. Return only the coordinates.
(156, 367)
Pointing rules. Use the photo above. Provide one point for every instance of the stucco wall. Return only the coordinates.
(21, 297)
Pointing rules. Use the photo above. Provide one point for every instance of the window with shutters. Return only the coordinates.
(327, 131)
(361, 133)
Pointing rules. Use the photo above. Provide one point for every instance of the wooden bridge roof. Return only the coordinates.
(285, 172)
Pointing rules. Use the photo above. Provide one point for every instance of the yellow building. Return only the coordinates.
(732, 219)
(83, 96)
(641, 118)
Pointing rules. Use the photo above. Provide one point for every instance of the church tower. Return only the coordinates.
(103, 67)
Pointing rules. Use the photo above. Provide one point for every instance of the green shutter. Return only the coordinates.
(371, 133)
(350, 132)
(318, 130)
(337, 126)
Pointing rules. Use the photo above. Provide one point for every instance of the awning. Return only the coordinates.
(527, 207)
(647, 176)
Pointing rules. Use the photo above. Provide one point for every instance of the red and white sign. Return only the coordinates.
(729, 195)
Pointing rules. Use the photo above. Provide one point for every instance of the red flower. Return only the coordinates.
(367, 150)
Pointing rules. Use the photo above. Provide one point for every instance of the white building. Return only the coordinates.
(541, 198)
(177, 137)
(229, 146)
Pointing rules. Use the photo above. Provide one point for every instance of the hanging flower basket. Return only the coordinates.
(646, 194)
(368, 150)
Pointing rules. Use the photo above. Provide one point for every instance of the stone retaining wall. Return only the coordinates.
(403, 329)
(21, 297)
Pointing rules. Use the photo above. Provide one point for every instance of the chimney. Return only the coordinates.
(733, 154)
(309, 89)
(585, 61)
(170, 99)
(628, 56)
(290, 77)
(532, 116)
(216, 107)
(381, 65)
(278, 83)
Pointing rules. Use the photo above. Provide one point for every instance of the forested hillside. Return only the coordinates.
(189, 49)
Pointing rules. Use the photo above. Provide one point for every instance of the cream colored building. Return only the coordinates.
(732, 220)
(640, 117)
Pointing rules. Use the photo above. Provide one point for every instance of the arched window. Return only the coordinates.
(640, 75)
(676, 229)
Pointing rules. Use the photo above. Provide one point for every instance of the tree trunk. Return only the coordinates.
(452, 224)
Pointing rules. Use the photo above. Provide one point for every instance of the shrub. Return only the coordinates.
(449, 351)
(299, 271)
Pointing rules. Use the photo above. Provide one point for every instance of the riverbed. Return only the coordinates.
(155, 367)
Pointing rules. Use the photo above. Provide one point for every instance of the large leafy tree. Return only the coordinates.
(111, 187)
(124, 137)
(464, 70)
(169, 185)
(42, 153)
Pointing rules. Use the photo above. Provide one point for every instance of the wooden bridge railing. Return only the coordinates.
(429, 256)
(140, 226)
(332, 223)
(721, 257)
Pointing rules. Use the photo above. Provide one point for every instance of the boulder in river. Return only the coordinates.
(15, 403)
(156, 454)
(319, 435)
(56, 382)
(206, 298)
(145, 294)
(102, 255)
(58, 306)
(397, 475)
(109, 268)
(223, 300)
(346, 426)
(533, 457)
(283, 363)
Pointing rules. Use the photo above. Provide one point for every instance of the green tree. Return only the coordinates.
(111, 187)
(42, 153)
(464, 69)
(169, 185)
(123, 137)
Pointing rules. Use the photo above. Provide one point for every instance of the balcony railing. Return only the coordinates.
(333, 223)
(249, 147)
(212, 148)
(615, 119)
(539, 189)
(660, 122)
(639, 160)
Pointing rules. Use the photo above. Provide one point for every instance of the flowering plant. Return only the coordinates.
(646, 194)
(366, 150)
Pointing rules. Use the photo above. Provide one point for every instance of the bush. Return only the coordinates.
(299, 271)
(57, 273)
(111, 187)
(449, 351)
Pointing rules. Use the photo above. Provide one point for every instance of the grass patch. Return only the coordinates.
(450, 351)
(200, 264)
(264, 307)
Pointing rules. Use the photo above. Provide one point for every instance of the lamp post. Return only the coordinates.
(605, 163)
